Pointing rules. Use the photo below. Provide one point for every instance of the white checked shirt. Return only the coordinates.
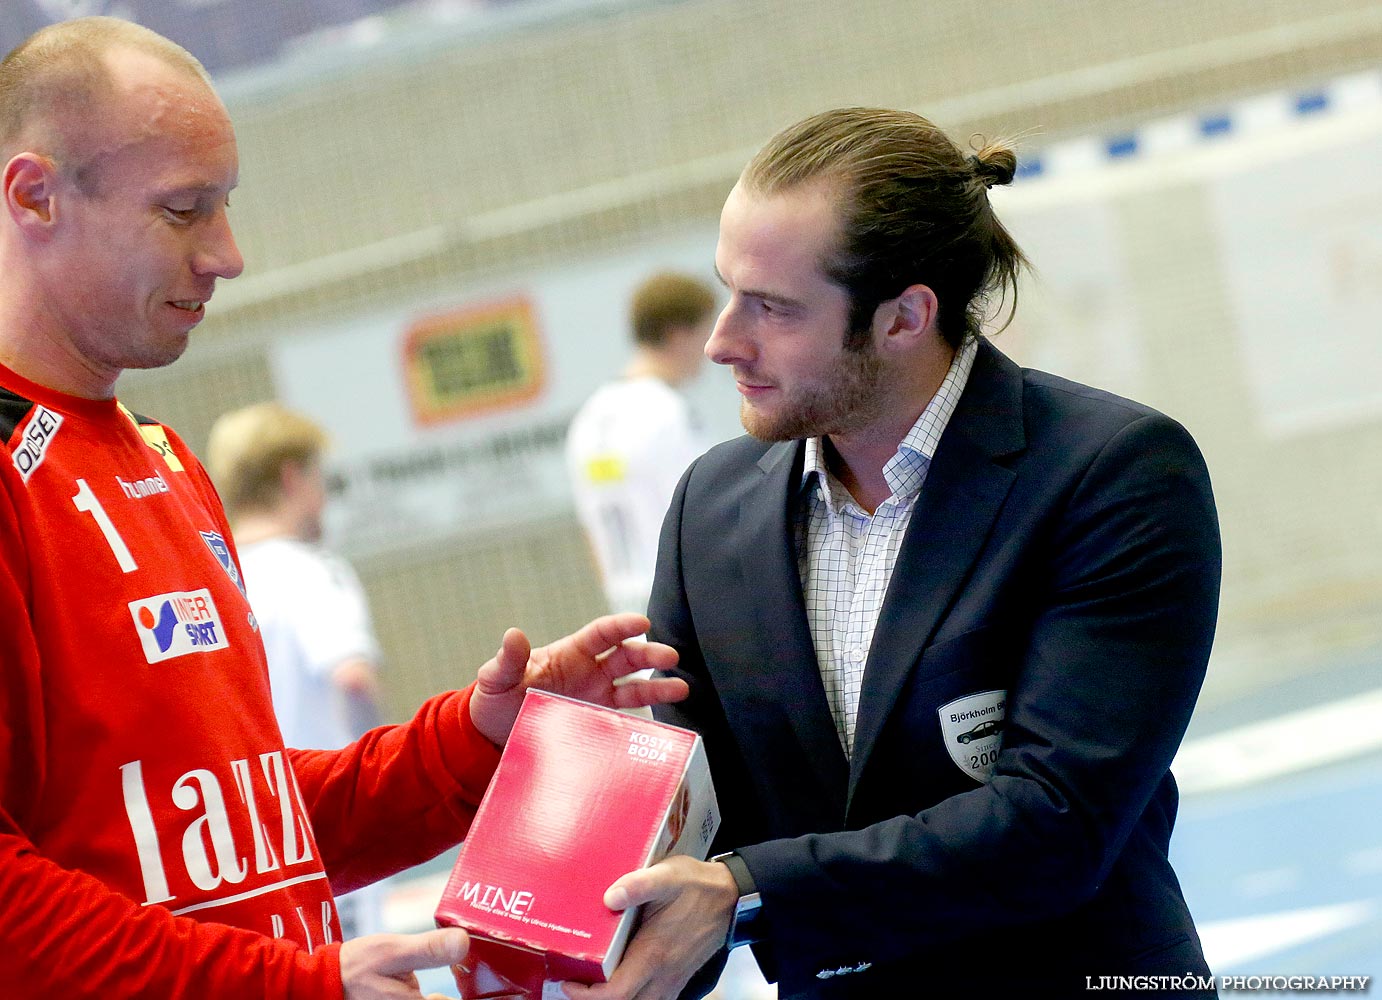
(846, 557)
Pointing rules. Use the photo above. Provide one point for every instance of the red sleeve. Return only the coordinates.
(64, 933)
(398, 796)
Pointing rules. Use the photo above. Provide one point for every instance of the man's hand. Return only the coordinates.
(381, 966)
(583, 665)
(687, 907)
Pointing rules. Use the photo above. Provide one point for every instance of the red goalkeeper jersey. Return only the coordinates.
(156, 838)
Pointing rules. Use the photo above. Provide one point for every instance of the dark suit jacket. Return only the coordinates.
(1064, 549)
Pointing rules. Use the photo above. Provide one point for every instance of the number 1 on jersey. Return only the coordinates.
(86, 502)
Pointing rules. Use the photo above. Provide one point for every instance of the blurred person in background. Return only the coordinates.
(633, 438)
(944, 619)
(266, 461)
(157, 839)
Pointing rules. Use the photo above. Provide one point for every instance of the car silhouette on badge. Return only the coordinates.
(979, 732)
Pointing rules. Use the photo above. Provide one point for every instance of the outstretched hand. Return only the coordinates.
(583, 665)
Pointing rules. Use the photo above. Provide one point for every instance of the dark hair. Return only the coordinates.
(667, 301)
(913, 210)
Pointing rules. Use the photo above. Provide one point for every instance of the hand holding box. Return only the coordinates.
(582, 795)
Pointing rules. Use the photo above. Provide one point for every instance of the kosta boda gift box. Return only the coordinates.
(583, 794)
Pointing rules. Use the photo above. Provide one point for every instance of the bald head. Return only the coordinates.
(116, 165)
(61, 91)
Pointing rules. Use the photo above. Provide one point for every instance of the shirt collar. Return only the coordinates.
(907, 468)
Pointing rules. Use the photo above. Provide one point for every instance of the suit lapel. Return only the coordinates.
(789, 676)
(963, 493)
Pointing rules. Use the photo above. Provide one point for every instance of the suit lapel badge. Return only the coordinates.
(972, 728)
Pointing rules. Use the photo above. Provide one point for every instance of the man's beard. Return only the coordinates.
(851, 397)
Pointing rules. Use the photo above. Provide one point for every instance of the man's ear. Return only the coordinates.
(29, 187)
(904, 321)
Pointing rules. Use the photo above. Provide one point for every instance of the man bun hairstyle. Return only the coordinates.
(913, 209)
(994, 164)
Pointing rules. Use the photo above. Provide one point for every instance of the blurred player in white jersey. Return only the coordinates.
(635, 436)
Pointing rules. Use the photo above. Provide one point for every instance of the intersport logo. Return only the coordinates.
(176, 624)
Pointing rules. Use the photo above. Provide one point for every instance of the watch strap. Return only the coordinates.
(745, 926)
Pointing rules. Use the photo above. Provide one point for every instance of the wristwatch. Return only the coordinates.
(745, 927)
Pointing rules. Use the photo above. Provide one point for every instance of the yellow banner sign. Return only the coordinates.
(474, 360)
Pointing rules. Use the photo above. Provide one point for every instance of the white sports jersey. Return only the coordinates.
(313, 616)
(626, 449)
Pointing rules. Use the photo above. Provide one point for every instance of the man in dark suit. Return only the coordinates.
(944, 619)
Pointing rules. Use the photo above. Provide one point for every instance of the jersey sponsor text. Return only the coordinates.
(33, 443)
(179, 623)
(211, 857)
